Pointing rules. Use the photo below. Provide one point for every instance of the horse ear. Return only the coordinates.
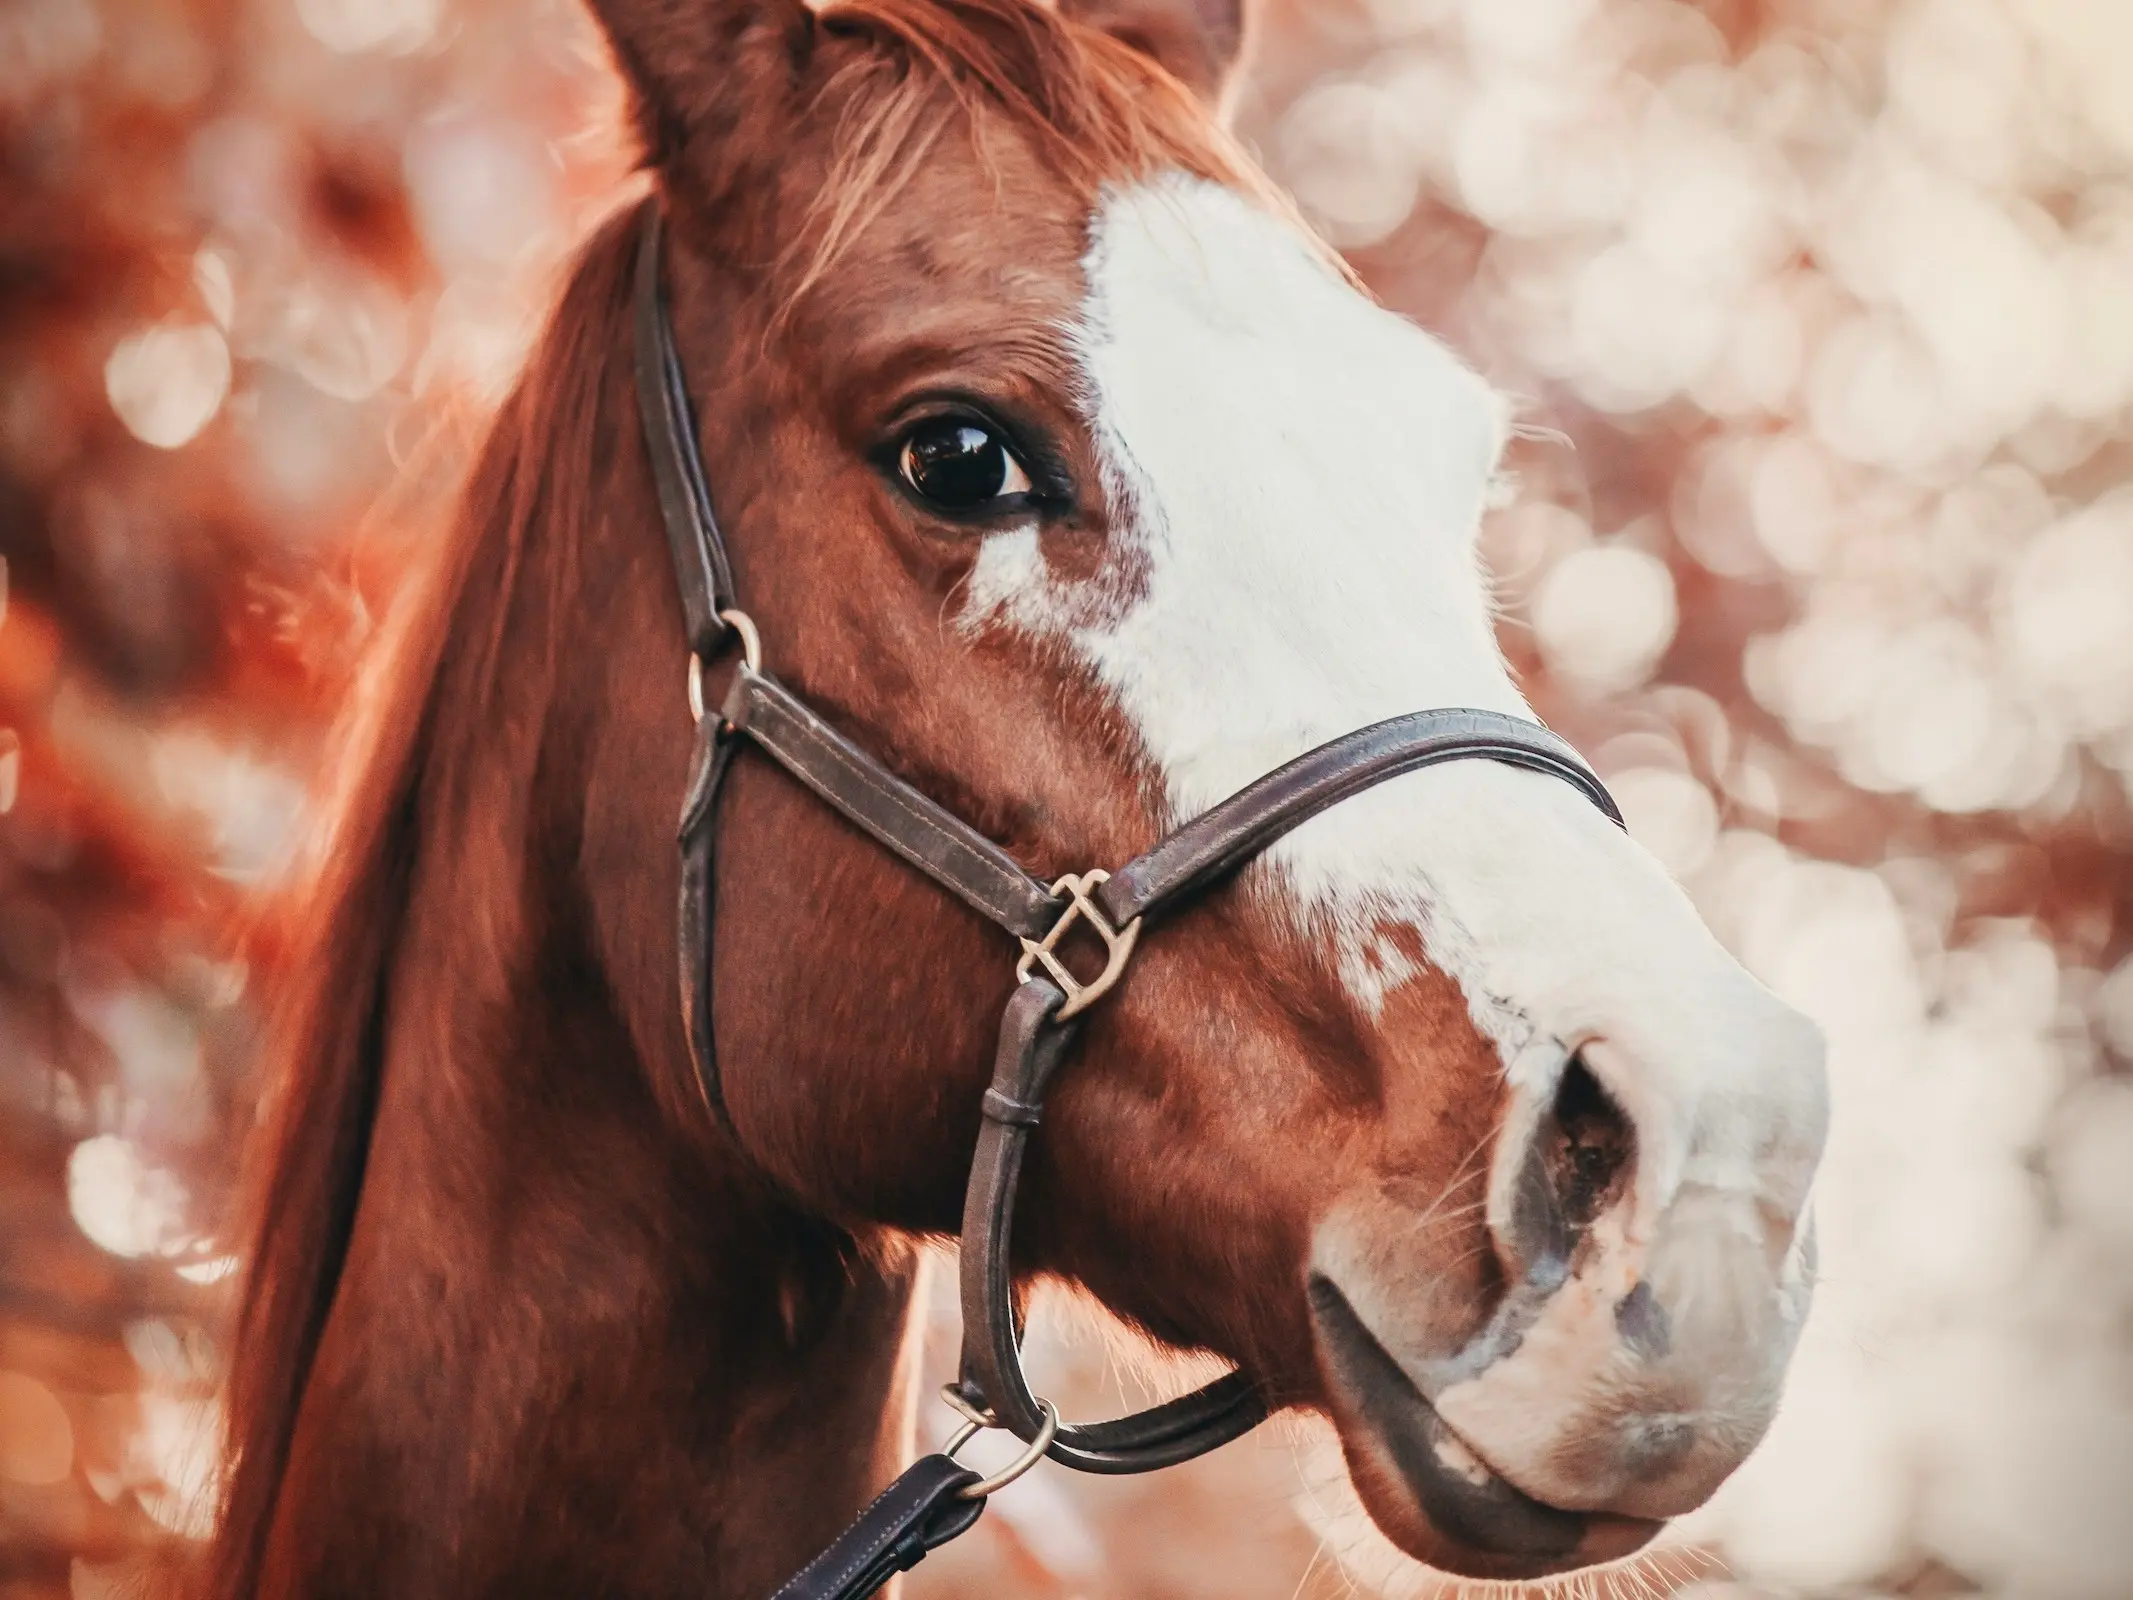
(712, 78)
(1198, 41)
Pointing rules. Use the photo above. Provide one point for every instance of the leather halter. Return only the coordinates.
(936, 1498)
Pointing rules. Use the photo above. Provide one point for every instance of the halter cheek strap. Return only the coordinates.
(928, 1504)
(701, 571)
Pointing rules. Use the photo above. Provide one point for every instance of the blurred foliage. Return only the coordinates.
(1820, 318)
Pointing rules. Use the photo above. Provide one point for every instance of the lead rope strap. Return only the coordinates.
(926, 1506)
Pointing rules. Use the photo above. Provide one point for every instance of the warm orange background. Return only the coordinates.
(1821, 316)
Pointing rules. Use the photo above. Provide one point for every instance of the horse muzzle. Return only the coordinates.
(1426, 1487)
(1632, 1358)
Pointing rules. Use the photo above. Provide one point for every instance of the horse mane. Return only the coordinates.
(406, 772)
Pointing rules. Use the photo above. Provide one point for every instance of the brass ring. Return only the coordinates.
(751, 641)
(1046, 1432)
(751, 658)
(976, 1415)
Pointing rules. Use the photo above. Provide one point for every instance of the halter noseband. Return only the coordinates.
(937, 1498)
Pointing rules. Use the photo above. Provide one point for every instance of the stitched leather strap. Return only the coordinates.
(1261, 812)
(699, 889)
(923, 1509)
(945, 848)
(700, 567)
(1032, 1046)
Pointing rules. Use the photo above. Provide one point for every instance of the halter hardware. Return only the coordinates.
(976, 1420)
(741, 626)
(1118, 944)
(937, 1498)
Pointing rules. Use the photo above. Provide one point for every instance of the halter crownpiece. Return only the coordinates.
(937, 1498)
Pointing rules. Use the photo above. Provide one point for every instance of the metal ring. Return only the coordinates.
(1046, 1432)
(751, 641)
(1078, 887)
(976, 1415)
(751, 657)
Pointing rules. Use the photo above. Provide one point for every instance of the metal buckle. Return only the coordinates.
(976, 1422)
(751, 657)
(1118, 944)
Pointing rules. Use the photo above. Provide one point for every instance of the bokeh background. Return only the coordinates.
(1820, 313)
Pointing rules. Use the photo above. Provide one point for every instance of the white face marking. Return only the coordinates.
(1297, 477)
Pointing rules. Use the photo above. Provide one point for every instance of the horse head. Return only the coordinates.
(1063, 470)
(1069, 470)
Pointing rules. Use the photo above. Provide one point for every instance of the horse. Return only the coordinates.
(1070, 476)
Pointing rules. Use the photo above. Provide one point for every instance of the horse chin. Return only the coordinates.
(1426, 1490)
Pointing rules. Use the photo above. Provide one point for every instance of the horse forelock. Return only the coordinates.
(1097, 113)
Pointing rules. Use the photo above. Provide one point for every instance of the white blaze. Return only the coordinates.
(1296, 478)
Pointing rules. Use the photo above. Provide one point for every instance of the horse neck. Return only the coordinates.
(566, 1357)
(575, 1344)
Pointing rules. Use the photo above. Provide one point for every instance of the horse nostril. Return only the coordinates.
(1647, 1331)
(1573, 1162)
(1588, 1145)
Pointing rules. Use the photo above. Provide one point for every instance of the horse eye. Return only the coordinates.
(960, 465)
